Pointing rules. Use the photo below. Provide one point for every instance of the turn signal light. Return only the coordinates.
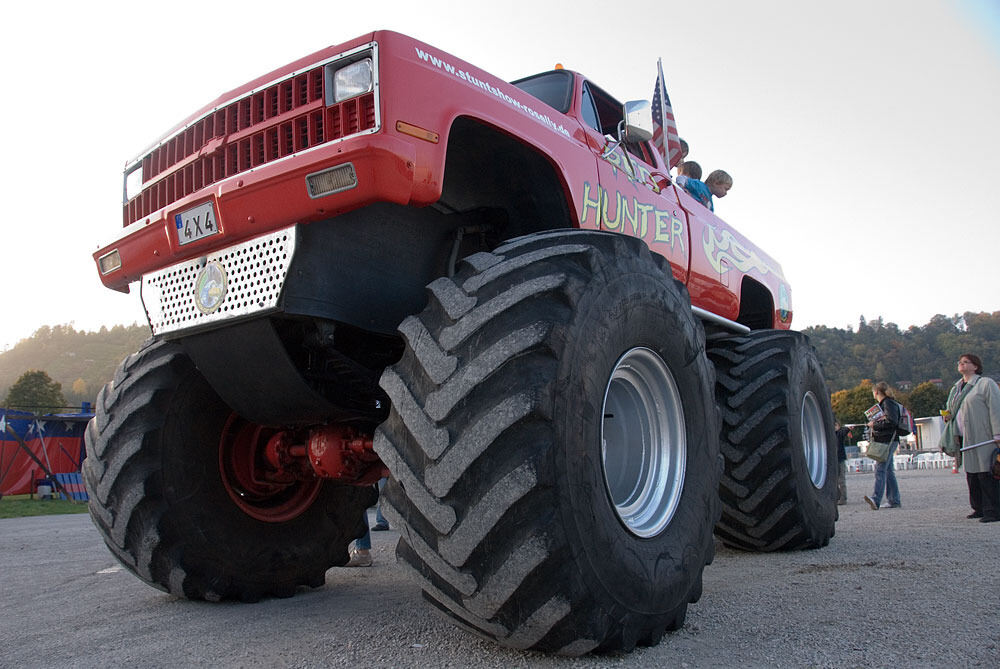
(417, 131)
(109, 262)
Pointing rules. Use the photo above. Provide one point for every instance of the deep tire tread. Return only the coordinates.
(498, 570)
(124, 479)
(761, 505)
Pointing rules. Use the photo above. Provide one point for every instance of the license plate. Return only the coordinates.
(196, 223)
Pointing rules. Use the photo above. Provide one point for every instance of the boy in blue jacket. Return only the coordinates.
(689, 178)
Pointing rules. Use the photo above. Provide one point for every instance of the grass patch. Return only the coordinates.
(22, 506)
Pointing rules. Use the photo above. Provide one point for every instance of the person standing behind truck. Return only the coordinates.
(684, 154)
(843, 434)
(884, 430)
(973, 416)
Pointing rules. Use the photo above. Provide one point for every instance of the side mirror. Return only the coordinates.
(638, 117)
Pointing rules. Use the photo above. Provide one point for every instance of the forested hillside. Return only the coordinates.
(84, 361)
(81, 361)
(882, 352)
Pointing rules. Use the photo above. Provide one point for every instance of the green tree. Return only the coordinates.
(881, 351)
(849, 405)
(926, 399)
(881, 373)
(35, 390)
(68, 355)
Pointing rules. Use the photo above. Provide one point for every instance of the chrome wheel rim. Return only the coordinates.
(813, 439)
(643, 442)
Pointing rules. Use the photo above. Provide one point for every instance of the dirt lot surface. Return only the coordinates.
(911, 587)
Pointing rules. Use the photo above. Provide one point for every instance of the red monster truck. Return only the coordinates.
(380, 259)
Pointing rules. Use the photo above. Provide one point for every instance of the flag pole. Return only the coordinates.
(664, 125)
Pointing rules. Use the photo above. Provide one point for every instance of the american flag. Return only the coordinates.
(665, 137)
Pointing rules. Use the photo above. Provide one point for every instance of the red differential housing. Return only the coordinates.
(274, 475)
(339, 452)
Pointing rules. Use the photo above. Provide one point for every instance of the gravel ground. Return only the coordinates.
(911, 587)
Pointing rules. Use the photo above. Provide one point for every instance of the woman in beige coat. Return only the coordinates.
(974, 405)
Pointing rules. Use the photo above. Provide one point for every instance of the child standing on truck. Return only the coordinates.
(689, 178)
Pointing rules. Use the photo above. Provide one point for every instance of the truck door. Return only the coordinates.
(633, 196)
(713, 281)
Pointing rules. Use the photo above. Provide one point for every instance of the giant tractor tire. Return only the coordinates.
(779, 489)
(553, 443)
(172, 491)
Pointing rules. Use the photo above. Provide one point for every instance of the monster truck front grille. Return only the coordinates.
(255, 274)
(269, 124)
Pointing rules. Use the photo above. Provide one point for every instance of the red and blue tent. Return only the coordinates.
(34, 447)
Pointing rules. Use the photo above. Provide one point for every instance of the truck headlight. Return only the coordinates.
(352, 80)
(133, 182)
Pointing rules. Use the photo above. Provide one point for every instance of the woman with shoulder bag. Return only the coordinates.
(884, 430)
(973, 416)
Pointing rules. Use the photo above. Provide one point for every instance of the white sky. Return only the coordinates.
(862, 135)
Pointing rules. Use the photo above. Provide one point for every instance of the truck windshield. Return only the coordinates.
(554, 88)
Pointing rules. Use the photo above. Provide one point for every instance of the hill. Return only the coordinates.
(84, 361)
(81, 361)
(880, 351)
